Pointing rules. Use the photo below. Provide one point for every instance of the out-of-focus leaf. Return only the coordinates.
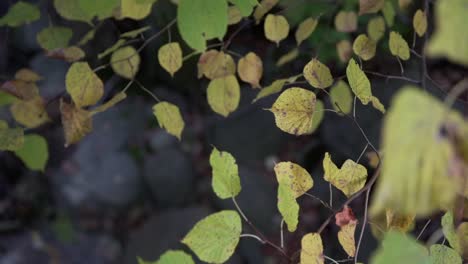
(134, 33)
(234, 15)
(27, 75)
(389, 13)
(10, 138)
(347, 223)
(169, 118)
(264, 7)
(30, 113)
(226, 181)
(341, 97)
(118, 44)
(102, 8)
(171, 257)
(51, 38)
(399, 248)
(135, 9)
(69, 54)
(34, 152)
(288, 57)
(440, 254)
(305, 29)
(273, 88)
(245, 6)
(420, 22)
(113, 101)
(20, 13)
(224, 95)
(370, 6)
(344, 50)
(21, 89)
(288, 206)
(449, 231)
(71, 10)
(376, 28)
(346, 21)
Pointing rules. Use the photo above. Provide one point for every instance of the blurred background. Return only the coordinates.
(130, 189)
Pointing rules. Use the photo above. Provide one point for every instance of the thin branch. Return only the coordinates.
(330, 190)
(239, 209)
(366, 205)
(401, 66)
(320, 200)
(362, 153)
(424, 228)
(253, 236)
(281, 233)
(332, 260)
(147, 91)
(393, 77)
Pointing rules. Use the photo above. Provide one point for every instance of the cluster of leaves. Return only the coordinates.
(423, 170)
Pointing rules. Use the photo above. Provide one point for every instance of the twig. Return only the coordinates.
(147, 91)
(318, 199)
(366, 205)
(393, 77)
(330, 190)
(253, 236)
(281, 233)
(332, 260)
(424, 228)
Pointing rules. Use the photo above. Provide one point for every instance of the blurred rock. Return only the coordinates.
(53, 72)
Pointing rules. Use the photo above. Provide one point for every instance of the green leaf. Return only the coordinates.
(135, 9)
(71, 10)
(52, 38)
(441, 254)
(224, 95)
(126, 62)
(6, 98)
(389, 13)
(214, 238)
(102, 8)
(273, 88)
(169, 118)
(83, 85)
(202, 20)
(288, 206)
(226, 181)
(360, 84)
(294, 111)
(305, 29)
(318, 74)
(399, 248)
(350, 178)
(10, 138)
(447, 40)
(294, 177)
(449, 231)
(416, 171)
(34, 152)
(20, 13)
(245, 6)
(341, 97)
(171, 257)
(134, 33)
(398, 46)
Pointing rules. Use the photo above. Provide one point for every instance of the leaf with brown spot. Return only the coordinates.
(76, 122)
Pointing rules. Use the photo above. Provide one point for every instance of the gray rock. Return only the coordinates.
(53, 72)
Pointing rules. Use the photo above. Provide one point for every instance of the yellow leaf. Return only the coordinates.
(76, 122)
(11, 139)
(294, 176)
(462, 233)
(377, 104)
(376, 28)
(170, 57)
(273, 88)
(30, 113)
(214, 64)
(344, 50)
(370, 6)
(224, 95)
(317, 74)
(420, 22)
(401, 223)
(288, 206)
(349, 179)
(125, 62)
(346, 21)
(312, 249)
(305, 29)
(450, 38)
(116, 99)
(364, 47)
(250, 69)
(234, 15)
(276, 28)
(288, 57)
(399, 46)
(360, 84)
(83, 85)
(341, 96)
(69, 54)
(346, 238)
(416, 175)
(294, 111)
(27, 75)
(264, 7)
(134, 9)
(169, 118)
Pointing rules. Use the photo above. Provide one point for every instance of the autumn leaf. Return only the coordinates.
(83, 85)
(250, 69)
(399, 46)
(226, 181)
(364, 47)
(294, 177)
(76, 122)
(420, 22)
(318, 74)
(170, 57)
(312, 249)
(276, 28)
(305, 29)
(215, 64)
(169, 118)
(223, 95)
(125, 62)
(346, 21)
(370, 6)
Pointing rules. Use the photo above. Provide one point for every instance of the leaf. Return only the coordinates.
(250, 69)
(399, 46)
(450, 18)
(172, 256)
(349, 179)
(27, 75)
(376, 28)
(169, 118)
(344, 50)
(83, 85)
(377, 104)
(294, 177)
(389, 13)
(113, 101)
(370, 6)
(317, 74)
(440, 254)
(135, 9)
(125, 62)
(102, 8)
(21, 89)
(294, 111)
(415, 177)
(318, 115)
(34, 152)
(399, 248)
(71, 10)
(462, 233)
(276, 28)
(10, 138)
(245, 6)
(420, 22)
(312, 249)
(224, 95)
(449, 231)
(202, 20)
(234, 15)
(273, 88)
(347, 223)
(264, 7)
(398, 222)
(226, 181)
(77, 122)
(119, 43)
(214, 64)
(87, 37)
(288, 57)
(19, 14)
(134, 33)
(69, 54)
(51, 38)
(170, 57)
(364, 47)
(214, 238)
(360, 84)
(305, 29)
(30, 113)
(288, 206)
(346, 21)
(340, 95)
